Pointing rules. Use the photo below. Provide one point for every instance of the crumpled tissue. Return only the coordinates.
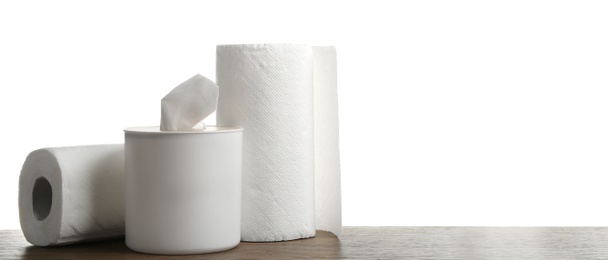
(184, 108)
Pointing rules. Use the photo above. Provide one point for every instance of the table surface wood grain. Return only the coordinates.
(365, 243)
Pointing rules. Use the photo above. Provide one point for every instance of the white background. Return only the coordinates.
(452, 112)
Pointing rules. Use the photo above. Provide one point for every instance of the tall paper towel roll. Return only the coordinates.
(72, 194)
(268, 89)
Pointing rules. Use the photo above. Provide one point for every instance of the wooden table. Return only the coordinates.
(366, 242)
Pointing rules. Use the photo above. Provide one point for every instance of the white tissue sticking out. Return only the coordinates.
(185, 107)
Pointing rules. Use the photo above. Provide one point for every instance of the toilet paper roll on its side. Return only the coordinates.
(72, 194)
(268, 89)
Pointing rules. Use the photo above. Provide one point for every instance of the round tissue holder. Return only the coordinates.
(183, 190)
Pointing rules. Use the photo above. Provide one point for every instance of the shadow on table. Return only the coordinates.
(324, 245)
(99, 249)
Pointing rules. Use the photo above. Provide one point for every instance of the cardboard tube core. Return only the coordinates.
(42, 198)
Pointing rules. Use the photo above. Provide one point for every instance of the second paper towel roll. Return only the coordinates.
(72, 194)
(269, 90)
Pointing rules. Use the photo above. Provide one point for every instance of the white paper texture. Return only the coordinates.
(87, 194)
(268, 89)
(185, 107)
(328, 202)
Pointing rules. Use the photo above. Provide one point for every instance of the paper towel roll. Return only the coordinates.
(268, 89)
(72, 194)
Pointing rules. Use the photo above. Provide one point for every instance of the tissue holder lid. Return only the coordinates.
(210, 129)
